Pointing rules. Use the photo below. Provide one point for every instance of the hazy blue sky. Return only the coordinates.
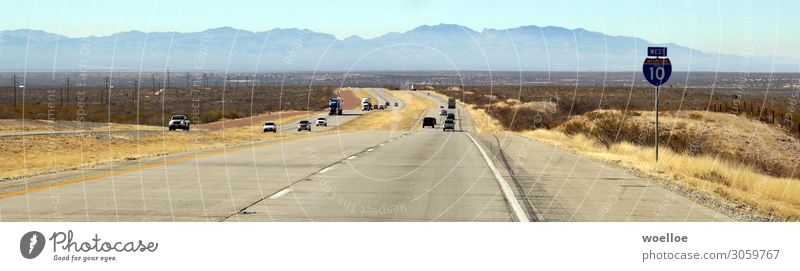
(769, 27)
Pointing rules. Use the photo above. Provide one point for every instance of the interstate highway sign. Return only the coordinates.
(657, 51)
(657, 70)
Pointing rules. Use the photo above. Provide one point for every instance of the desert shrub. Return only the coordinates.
(611, 127)
(525, 117)
(714, 177)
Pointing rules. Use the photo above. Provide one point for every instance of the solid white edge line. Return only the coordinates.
(504, 187)
(281, 193)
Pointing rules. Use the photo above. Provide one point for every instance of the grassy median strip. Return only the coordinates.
(402, 119)
(33, 155)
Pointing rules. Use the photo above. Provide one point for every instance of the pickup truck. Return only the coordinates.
(179, 122)
(270, 127)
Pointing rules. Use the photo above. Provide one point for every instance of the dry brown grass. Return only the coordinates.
(727, 179)
(16, 125)
(403, 119)
(42, 154)
(483, 122)
(765, 148)
(712, 173)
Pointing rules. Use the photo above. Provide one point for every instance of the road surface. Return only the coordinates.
(416, 175)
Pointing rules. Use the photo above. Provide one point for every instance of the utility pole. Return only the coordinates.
(167, 87)
(187, 81)
(15, 91)
(107, 92)
(154, 82)
(136, 89)
(67, 90)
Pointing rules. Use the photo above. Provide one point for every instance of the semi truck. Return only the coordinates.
(451, 103)
(366, 104)
(335, 105)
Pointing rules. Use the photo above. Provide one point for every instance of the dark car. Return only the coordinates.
(429, 122)
(304, 125)
(449, 125)
(451, 116)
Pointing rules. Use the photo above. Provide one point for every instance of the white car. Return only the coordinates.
(179, 122)
(270, 127)
(443, 112)
(322, 122)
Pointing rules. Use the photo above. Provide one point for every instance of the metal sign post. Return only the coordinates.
(657, 71)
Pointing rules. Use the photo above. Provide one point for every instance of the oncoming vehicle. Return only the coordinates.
(443, 112)
(396, 104)
(335, 105)
(428, 121)
(449, 125)
(303, 125)
(322, 122)
(366, 104)
(270, 127)
(382, 107)
(179, 122)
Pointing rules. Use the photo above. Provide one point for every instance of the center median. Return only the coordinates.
(401, 119)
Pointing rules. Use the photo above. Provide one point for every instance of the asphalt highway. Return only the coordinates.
(328, 175)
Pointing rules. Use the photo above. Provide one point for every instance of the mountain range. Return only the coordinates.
(428, 47)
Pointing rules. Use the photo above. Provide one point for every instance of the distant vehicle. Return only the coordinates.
(381, 107)
(428, 121)
(387, 104)
(270, 127)
(443, 112)
(303, 125)
(451, 116)
(451, 103)
(366, 104)
(441, 106)
(322, 122)
(375, 107)
(396, 104)
(449, 125)
(179, 122)
(335, 105)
